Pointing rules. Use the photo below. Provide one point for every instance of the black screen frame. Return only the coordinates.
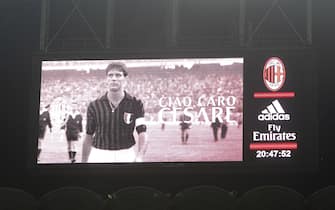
(307, 164)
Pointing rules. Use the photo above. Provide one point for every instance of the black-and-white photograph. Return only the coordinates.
(141, 110)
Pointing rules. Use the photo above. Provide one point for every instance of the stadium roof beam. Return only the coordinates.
(45, 14)
(309, 22)
(245, 35)
(242, 22)
(173, 25)
(45, 10)
(109, 23)
(276, 4)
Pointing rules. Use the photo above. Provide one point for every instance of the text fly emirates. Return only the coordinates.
(274, 134)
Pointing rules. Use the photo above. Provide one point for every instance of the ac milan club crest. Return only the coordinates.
(274, 74)
(127, 117)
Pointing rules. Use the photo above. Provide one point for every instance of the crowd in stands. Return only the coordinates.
(62, 87)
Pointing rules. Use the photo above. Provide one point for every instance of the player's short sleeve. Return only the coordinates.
(139, 117)
(91, 120)
(139, 112)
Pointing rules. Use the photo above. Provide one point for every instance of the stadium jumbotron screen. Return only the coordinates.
(216, 113)
(163, 110)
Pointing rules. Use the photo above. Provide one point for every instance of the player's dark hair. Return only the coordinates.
(118, 66)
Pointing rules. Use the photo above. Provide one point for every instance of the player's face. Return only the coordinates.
(115, 80)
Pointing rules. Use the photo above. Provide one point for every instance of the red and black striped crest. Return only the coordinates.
(274, 74)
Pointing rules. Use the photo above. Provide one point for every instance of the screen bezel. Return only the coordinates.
(308, 164)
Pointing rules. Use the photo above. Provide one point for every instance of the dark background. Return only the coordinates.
(19, 35)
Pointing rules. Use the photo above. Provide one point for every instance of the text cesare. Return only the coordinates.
(204, 108)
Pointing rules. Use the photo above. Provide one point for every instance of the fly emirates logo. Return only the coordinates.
(274, 134)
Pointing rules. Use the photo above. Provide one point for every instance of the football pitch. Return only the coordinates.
(162, 145)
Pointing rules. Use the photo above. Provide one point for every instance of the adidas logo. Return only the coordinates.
(274, 112)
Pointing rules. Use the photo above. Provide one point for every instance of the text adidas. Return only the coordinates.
(274, 116)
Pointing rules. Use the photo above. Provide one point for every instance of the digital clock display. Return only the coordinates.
(273, 153)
